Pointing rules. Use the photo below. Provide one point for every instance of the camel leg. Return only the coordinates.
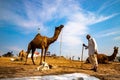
(41, 56)
(28, 51)
(26, 55)
(45, 53)
(26, 58)
(33, 50)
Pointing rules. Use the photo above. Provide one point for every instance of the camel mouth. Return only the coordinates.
(61, 26)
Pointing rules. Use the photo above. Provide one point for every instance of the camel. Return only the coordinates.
(43, 43)
(22, 54)
(102, 58)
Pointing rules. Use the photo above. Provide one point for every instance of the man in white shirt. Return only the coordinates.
(92, 52)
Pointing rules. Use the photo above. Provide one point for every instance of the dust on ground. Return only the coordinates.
(9, 69)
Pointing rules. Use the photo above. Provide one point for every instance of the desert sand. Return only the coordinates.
(60, 65)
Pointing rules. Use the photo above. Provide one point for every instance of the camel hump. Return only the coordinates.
(38, 35)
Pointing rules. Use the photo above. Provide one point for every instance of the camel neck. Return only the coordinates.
(54, 38)
(114, 54)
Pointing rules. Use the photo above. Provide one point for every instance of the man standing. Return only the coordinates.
(92, 52)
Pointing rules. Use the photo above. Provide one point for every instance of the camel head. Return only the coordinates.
(116, 49)
(59, 28)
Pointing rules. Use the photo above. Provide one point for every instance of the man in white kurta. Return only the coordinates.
(92, 51)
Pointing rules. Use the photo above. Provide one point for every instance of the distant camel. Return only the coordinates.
(22, 54)
(43, 43)
(102, 58)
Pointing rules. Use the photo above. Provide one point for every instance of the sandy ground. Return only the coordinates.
(9, 69)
